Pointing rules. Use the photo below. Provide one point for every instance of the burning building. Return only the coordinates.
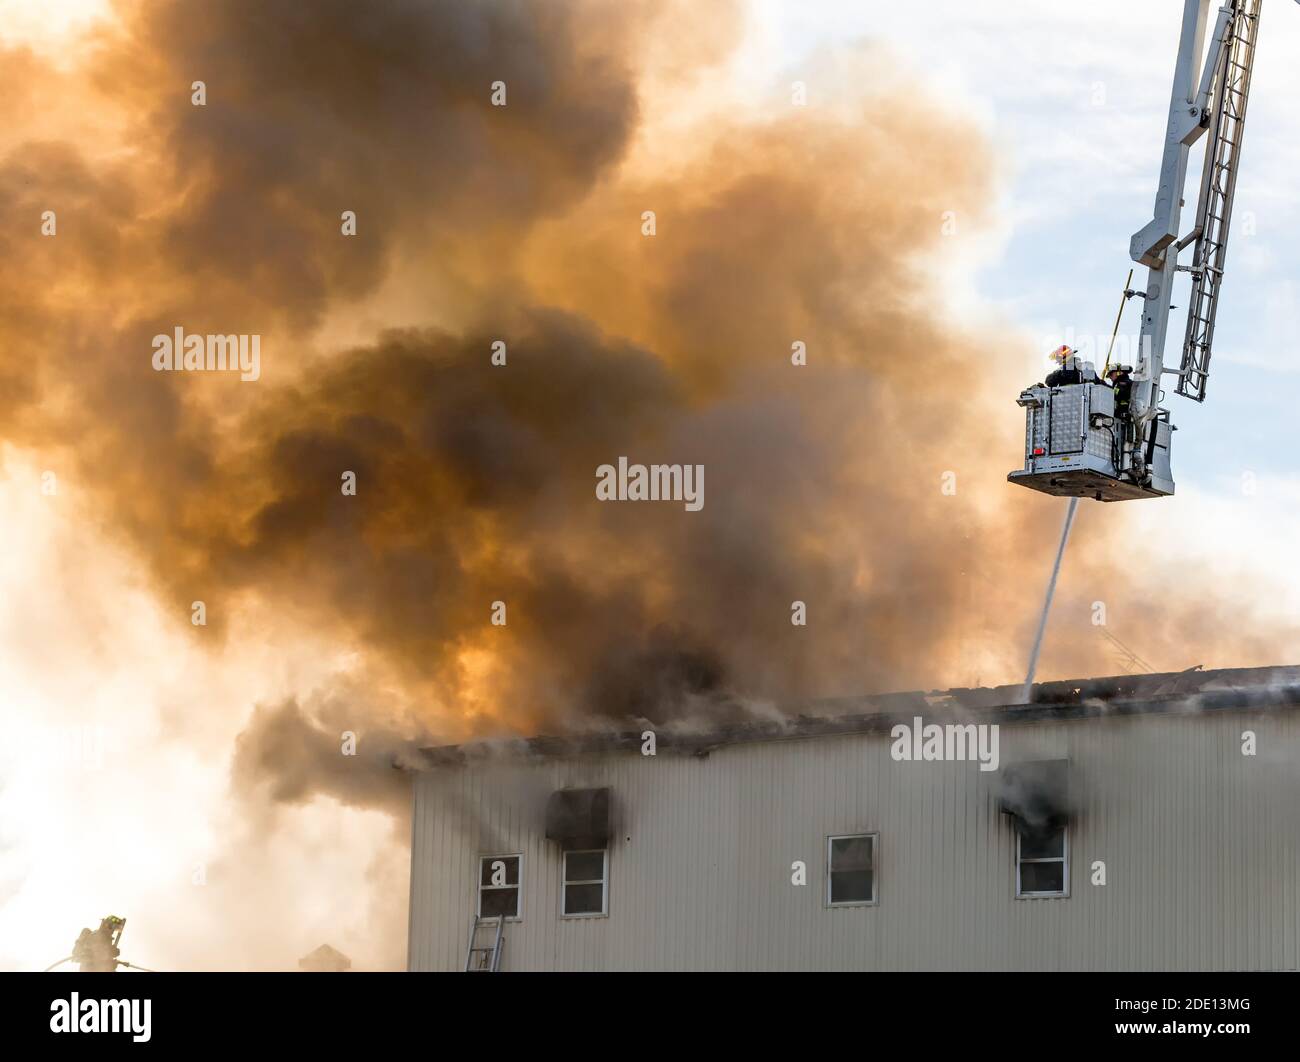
(1109, 824)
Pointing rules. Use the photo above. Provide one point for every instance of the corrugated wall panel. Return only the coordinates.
(1201, 847)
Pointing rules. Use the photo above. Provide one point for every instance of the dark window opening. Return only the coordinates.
(850, 869)
(585, 879)
(498, 887)
(1042, 867)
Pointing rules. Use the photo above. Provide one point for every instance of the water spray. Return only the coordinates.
(1047, 602)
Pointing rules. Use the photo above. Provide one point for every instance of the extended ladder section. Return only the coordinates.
(1218, 186)
(483, 955)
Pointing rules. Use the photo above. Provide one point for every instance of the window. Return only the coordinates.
(1042, 867)
(498, 886)
(585, 877)
(851, 869)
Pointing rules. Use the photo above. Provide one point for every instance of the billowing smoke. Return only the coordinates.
(867, 484)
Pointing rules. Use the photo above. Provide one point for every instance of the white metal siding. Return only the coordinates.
(1201, 846)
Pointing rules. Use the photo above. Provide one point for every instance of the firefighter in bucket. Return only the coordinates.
(1067, 371)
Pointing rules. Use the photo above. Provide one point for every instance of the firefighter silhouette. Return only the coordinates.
(97, 951)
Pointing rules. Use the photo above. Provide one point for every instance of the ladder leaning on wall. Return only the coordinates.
(484, 957)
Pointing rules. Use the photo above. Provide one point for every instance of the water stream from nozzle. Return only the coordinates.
(1047, 602)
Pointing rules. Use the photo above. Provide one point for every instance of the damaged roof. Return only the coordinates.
(1228, 689)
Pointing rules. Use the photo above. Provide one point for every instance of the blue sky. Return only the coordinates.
(1075, 98)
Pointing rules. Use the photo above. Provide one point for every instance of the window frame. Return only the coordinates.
(480, 888)
(603, 882)
(875, 880)
(1063, 859)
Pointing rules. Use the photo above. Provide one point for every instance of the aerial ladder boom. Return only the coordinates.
(1236, 59)
(1111, 439)
(1150, 246)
